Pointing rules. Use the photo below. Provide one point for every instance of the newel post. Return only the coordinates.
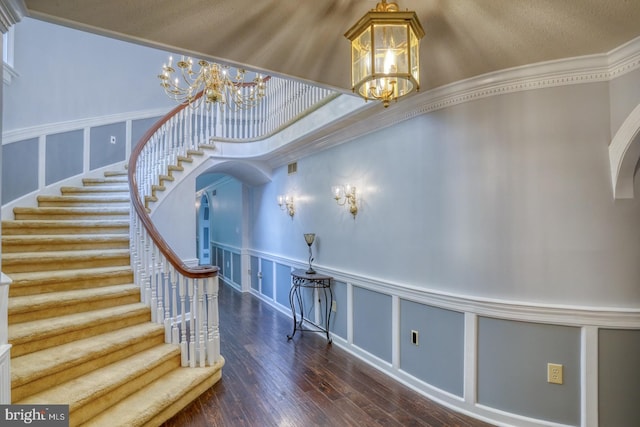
(213, 324)
(5, 347)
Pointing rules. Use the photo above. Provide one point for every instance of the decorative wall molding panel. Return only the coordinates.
(548, 320)
(52, 128)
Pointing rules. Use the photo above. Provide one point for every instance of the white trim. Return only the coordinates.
(395, 332)
(5, 354)
(86, 150)
(504, 418)
(624, 152)
(563, 72)
(4, 307)
(470, 391)
(15, 135)
(589, 376)
(11, 12)
(5, 374)
(42, 155)
(191, 262)
(8, 73)
(349, 314)
(568, 315)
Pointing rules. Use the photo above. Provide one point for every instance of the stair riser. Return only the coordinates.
(36, 287)
(110, 182)
(95, 190)
(89, 203)
(63, 337)
(56, 264)
(183, 401)
(76, 307)
(72, 216)
(62, 228)
(94, 407)
(17, 246)
(21, 391)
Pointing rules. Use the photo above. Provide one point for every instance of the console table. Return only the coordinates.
(300, 279)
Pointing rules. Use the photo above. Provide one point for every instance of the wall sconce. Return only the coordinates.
(346, 194)
(286, 202)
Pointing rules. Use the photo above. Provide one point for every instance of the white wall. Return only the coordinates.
(507, 197)
(175, 218)
(66, 74)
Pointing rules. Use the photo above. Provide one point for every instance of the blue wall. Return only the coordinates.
(121, 78)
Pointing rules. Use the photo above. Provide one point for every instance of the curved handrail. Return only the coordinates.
(196, 272)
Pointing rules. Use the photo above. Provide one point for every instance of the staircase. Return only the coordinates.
(79, 332)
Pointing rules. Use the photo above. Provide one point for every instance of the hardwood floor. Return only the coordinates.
(269, 381)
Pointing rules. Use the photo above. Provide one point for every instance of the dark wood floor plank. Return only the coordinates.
(271, 381)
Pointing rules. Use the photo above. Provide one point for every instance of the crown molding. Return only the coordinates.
(563, 72)
(11, 12)
(569, 71)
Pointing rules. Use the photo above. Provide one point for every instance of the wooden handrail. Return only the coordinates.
(196, 272)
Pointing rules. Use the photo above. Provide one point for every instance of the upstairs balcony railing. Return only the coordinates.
(184, 298)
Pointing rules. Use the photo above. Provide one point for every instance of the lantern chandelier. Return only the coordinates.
(385, 44)
(214, 82)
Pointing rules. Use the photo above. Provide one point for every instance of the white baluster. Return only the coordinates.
(213, 339)
(168, 321)
(184, 357)
(153, 280)
(175, 339)
(192, 326)
(201, 319)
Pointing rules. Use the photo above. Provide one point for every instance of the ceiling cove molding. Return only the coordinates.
(563, 72)
(569, 71)
(11, 12)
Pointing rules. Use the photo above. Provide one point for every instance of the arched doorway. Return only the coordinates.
(204, 231)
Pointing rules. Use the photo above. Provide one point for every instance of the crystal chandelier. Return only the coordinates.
(214, 82)
(385, 44)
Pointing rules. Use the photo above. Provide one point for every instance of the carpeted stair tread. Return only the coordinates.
(160, 400)
(96, 391)
(89, 200)
(55, 227)
(70, 212)
(105, 181)
(79, 333)
(52, 281)
(37, 335)
(61, 260)
(123, 172)
(34, 307)
(35, 372)
(44, 242)
(121, 188)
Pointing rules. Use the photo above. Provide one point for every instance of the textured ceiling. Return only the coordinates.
(304, 38)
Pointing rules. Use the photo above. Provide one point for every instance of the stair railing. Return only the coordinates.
(184, 298)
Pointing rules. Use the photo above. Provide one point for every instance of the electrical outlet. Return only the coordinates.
(414, 337)
(554, 373)
(334, 306)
